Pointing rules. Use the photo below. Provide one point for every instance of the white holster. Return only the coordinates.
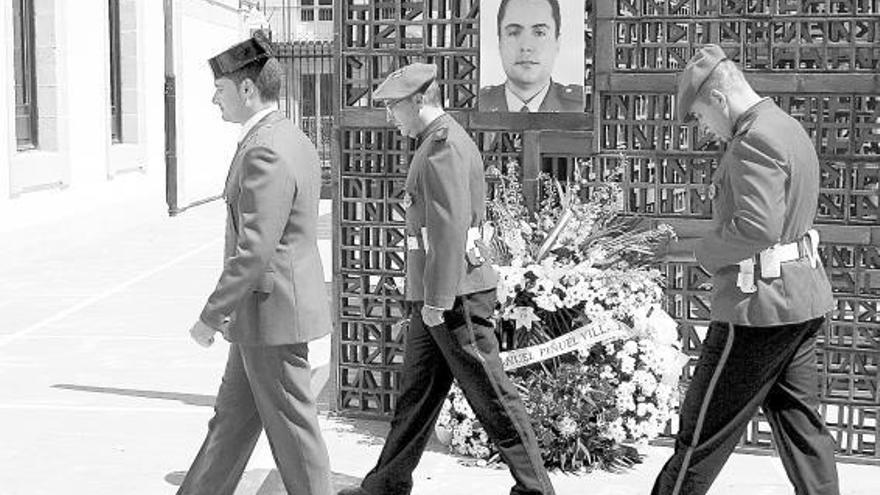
(771, 260)
(414, 242)
(745, 280)
(472, 252)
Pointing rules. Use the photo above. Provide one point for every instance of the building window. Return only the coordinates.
(115, 75)
(325, 13)
(25, 75)
(307, 10)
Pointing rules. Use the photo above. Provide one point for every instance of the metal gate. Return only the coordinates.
(819, 60)
(307, 94)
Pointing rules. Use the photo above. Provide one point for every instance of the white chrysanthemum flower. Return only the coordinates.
(627, 364)
(615, 430)
(645, 380)
(467, 427)
(480, 451)
(625, 397)
(548, 301)
(567, 426)
(663, 390)
(661, 327)
(444, 418)
(524, 316)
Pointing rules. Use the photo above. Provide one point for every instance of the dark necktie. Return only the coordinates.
(524, 109)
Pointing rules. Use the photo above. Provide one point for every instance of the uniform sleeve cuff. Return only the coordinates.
(438, 308)
(444, 303)
(214, 323)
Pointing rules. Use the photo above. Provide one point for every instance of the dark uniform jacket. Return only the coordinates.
(765, 192)
(559, 98)
(446, 195)
(272, 285)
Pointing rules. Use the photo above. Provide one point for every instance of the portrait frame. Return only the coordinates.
(568, 67)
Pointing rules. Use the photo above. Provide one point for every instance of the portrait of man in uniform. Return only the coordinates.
(531, 56)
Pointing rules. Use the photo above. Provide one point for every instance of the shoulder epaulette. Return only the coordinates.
(573, 92)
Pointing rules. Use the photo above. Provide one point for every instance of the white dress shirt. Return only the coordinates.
(515, 103)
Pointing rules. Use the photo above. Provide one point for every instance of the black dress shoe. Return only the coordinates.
(353, 490)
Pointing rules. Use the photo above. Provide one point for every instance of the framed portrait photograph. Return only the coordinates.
(531, 56)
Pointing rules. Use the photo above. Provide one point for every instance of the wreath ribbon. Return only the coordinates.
(583, 337)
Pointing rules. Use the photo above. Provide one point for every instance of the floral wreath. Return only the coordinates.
(581, 278)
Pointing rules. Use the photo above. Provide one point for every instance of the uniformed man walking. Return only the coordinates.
(452, 288)
(269, 301)
(770, 291)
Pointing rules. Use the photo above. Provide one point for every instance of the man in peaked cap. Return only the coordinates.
(770, 292)
(269, 301)
(450, 284)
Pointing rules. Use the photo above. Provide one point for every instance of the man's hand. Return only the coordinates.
(202, 334)
(432, 316)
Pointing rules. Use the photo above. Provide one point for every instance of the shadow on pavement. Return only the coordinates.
(272, 484)
(372, 431)
(363, 431)
(259, 482)
(188, 399)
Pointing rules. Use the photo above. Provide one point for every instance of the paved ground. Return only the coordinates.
(102, 392)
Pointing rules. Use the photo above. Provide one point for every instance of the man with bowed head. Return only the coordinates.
(269, 301)
(451, 286)
(770, 292)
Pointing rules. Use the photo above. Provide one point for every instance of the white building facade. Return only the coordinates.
(84, 102)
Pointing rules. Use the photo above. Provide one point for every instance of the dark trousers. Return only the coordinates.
(739, 369)
(264, 387)
(465, 348)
